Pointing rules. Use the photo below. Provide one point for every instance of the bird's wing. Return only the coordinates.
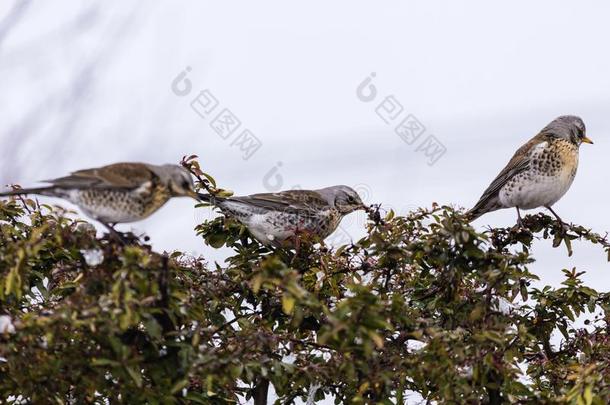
(519, 163)
(118, 175)
(292, 200)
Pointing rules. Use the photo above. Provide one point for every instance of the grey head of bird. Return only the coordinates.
(345, 199)
(177, 179)
(569, 127)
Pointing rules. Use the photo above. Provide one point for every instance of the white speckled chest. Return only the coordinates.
(551, 171)
(120, 206)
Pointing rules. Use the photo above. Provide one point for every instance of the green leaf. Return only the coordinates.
(104, 362)
(523, 290)
(588, 395)
(135, 375)
(179, 385)
(288, 304)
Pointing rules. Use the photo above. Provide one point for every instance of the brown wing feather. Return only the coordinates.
(118, 175)
(285, 200)
(518, 163)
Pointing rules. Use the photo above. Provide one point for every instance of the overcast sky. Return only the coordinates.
(85, 84)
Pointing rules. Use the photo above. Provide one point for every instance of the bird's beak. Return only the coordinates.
(193, 194)
(587, 140)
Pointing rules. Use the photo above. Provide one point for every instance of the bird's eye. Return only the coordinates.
(186, 185)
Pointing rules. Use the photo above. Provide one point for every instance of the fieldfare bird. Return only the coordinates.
(278, 219)
(120, 192)
(540, 172)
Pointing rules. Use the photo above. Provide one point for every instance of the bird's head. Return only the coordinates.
(178, 180)
(344, 198)
(568, 127)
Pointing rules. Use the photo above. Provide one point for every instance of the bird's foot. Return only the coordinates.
(119, 238)
(521, 226)
(122, 238)
(563, 226)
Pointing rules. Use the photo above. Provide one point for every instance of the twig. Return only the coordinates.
(232, 321)
(194, 169)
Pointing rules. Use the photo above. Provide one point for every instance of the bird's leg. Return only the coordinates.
(297, 246)
(114, 233)
(519, 219)
(561, 223)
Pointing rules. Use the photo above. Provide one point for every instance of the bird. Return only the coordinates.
(119, 192)
(540, 172)
(277, 219)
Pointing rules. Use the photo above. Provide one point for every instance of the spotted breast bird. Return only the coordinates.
(120, 192)
(278, 218)
(540, 172)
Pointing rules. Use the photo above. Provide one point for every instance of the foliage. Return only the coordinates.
(424, 303)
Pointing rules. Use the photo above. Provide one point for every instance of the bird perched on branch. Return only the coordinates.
(120, 192)
(278, 219)
(540, 172)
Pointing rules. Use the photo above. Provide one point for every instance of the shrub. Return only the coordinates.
(422, 304)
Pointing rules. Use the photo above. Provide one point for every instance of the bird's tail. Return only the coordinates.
(48, 191)
(474, 214)
(484, 206)
(209, 198)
